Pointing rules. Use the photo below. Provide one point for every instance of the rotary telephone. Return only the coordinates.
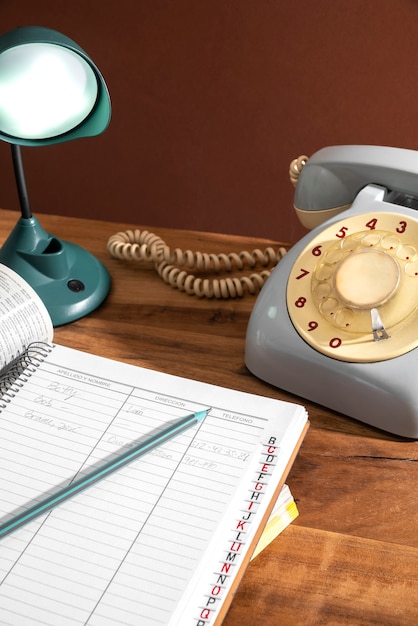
(337, 320)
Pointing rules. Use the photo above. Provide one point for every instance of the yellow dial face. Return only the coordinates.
(352, 293)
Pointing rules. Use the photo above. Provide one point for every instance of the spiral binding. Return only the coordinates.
(19, 370)
(172, 266)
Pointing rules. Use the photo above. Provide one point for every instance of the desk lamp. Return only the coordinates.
(50, 92)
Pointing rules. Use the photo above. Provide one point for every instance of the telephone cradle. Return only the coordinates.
(337, 321)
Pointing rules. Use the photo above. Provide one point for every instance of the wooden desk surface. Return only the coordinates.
(352, 555)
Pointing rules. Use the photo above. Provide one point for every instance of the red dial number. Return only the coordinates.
(402, 227)
(302, 274)
(372, 224)
(342, 232)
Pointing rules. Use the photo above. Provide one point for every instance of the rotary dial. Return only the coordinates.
(353, 291)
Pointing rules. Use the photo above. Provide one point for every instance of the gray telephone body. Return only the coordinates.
(337, 321)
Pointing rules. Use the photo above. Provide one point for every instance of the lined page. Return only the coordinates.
(126, 550)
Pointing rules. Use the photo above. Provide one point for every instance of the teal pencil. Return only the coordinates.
(101, 472)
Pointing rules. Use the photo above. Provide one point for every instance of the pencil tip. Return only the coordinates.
(200, 415)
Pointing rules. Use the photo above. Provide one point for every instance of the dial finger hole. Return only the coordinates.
(350, 244)
(371, 239)
(344, 317)
(390, 242)
(328, 306)
(322, 291)
(324, 272)
(406, 253)
(411, 269)
(334, 255)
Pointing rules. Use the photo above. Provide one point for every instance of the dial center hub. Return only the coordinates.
(367, 278)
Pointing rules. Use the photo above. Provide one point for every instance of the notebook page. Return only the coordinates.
(126, 550)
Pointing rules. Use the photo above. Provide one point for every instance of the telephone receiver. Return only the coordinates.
(337, 320)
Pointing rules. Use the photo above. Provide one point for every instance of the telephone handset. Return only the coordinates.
(337, 321)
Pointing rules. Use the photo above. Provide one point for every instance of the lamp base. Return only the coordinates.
(70, 281)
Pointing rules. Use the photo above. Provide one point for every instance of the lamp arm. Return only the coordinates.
(20, 181)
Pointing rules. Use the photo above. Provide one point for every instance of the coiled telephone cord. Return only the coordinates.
(173, 266)
(296, 167)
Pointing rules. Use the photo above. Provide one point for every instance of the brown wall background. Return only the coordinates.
(213, 98)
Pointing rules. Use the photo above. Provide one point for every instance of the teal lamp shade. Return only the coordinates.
(50, 92)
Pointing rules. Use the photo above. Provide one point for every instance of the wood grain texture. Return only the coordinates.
(351, 557)
(313, 577)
